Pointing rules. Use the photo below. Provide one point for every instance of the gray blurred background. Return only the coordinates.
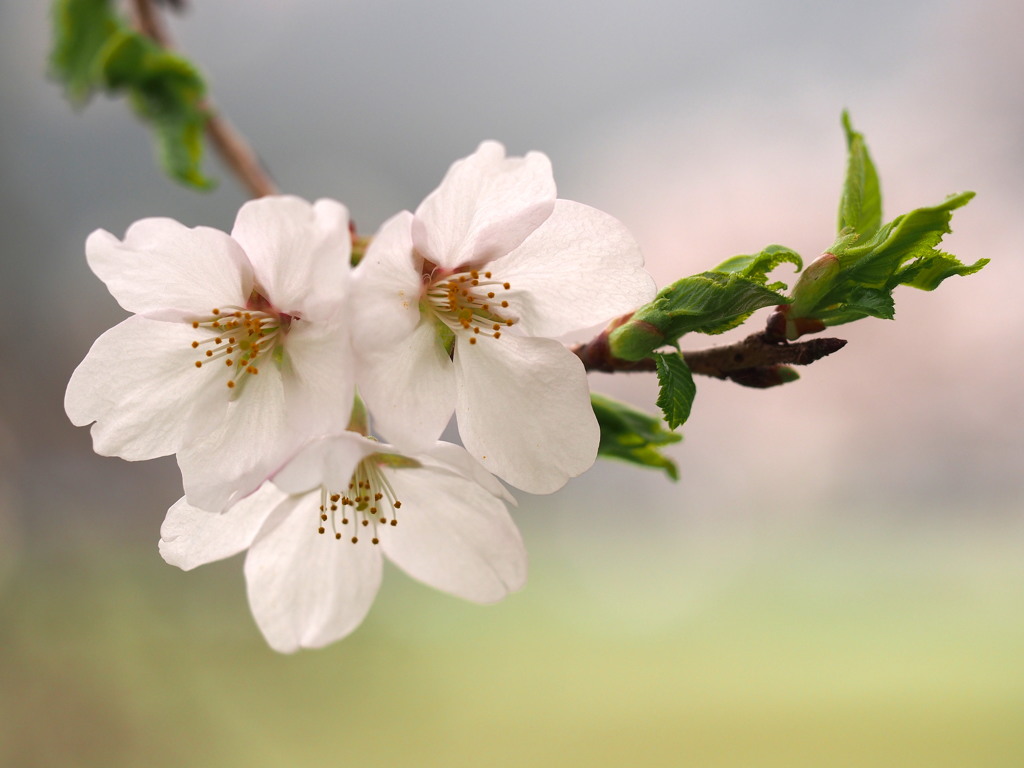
(837, 579)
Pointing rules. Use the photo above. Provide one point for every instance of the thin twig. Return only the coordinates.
(232, 147)
(753, 361)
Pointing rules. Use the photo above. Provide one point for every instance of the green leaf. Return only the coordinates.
(757, 266)
(677, 388)
(94, 49)
(166, 91)
(903, 252)
(876, 260)
(860, 207)
(711, 302)
(631, 435)
(927, 274)
(81, 29)
(860, 302)
(855, 278)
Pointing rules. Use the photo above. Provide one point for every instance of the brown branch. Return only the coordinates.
(755, 361)
(232, 147)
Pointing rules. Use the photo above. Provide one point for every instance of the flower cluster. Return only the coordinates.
(249, 357)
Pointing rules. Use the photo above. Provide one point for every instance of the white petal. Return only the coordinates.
(306, 589)
(191, 537)
(319, 377)
(486, 205)
(454, 535)
(169, 271)
(451, 457)
(524, 410)
(138, 383)
(232, 446)
(299, 252)
(386, 287)
(581, 267)
(325, 462)
(409, 389)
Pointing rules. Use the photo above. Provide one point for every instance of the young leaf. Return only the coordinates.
(677, 388)
(94, 49)
(903, 252)
(166, 91)
(927, 274)
(81, 29)
(860, 207)
(631, 435)
(711, 302)
(876, 260)
(757, 266)
(855, 278)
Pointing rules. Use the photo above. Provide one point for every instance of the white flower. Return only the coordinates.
(455, 306)
(238, 351)
(317, 533)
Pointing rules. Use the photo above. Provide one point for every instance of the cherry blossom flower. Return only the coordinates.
(455, 308)
(317, 533)
(238, 350)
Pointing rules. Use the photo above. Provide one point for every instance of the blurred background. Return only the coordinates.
(837, 579)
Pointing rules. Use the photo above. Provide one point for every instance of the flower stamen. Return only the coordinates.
(464, 302)
(241, 336)
(364, 505)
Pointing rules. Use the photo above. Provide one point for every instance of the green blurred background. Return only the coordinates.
(837, 579)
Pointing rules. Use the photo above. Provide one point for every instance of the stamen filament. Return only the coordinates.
(371, 495)
(240, 336)
(463, 302)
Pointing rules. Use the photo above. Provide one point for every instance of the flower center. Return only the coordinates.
(469, 302)
(241, 337)
(367, 503)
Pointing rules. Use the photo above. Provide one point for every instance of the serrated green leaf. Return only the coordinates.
(81, 29)
(631, 435)
(677, 388)
(875, 260)
(855, 278)
(928, 273)
(711, 302)
(860, 302)
(903, 252)
(757, 266)
(860, 206)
